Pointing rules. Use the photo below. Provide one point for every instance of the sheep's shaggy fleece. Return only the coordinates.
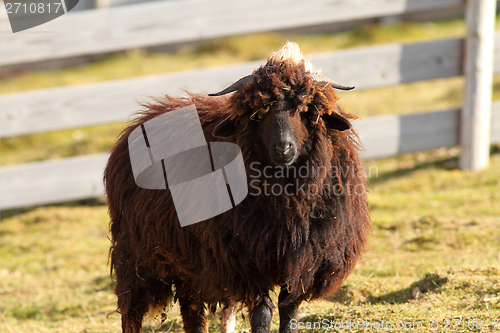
(307, 242)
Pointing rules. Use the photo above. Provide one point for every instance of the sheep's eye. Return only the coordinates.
(304, 116)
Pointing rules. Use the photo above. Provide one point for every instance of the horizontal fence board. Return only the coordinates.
(76, 106)
(105, 102)
(159, 23)
(81, 177)
(52, 181)
(390, 135)
(389, 64)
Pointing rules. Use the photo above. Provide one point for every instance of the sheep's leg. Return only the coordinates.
(287, 312)
(193, 315)
(140, 296)
(137, 290)
(261, 315)
(131, 322)
(228, 322)
(130, 290)
(132, 306)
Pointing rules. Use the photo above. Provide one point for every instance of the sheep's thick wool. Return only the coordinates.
(307, 242)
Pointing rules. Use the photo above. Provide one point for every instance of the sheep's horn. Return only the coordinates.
(321, 78)
(235, 86)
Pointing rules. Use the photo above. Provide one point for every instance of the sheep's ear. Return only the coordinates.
(336, 121)
(225, 128)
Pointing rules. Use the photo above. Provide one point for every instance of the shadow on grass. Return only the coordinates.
(429, 283)
(101, 201)
(449, 163)
(443, 163)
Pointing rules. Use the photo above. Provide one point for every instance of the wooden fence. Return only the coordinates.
(120, 28)
(170, 22)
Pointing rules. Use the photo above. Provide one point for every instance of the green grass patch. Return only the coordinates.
(53, 145)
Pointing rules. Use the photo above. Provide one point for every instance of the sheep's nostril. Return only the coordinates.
(283, 148)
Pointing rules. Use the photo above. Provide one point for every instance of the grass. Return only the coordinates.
(434, 255)
(73, 142)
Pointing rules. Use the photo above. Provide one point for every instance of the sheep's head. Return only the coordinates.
(282, 105)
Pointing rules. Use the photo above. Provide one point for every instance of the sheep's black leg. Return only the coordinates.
(287, 312)
(130, 290)
(137, 290)
(131, 322)
(193, 315)
(131, 305)
(261, 315)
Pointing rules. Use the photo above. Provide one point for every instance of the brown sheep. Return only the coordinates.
(301, 231)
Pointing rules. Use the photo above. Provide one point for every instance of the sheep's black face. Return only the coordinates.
(281, 111)
(283, 132)
(283, 145)
(288, 128)
(279, 133)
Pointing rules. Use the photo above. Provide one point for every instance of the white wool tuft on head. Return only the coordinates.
(291, 52)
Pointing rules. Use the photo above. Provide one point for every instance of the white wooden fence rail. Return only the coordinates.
(142, 25)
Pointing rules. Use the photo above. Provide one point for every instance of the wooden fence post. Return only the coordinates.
(101, 3)
(478, 69)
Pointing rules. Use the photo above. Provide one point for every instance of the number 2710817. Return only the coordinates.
(33, 8)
